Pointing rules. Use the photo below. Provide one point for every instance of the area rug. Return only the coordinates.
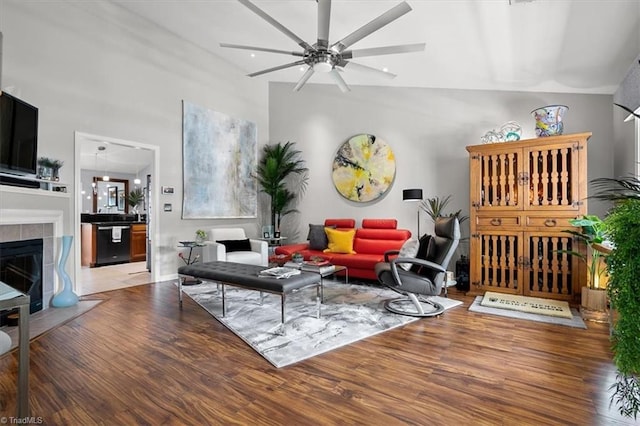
(350, 312)
(575, 320)
(43, 321)
(532, 305)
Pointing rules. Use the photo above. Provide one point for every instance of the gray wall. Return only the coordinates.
(427, 129)
(93, 67)
(626, 149)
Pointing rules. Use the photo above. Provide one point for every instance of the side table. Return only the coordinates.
(273, 242)
(12, 299)
(190, 259)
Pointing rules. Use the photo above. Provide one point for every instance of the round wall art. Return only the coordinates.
(364, 168)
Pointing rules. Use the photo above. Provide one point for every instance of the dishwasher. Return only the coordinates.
(113, 244)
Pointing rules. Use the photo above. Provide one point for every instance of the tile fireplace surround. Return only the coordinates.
(18, 225)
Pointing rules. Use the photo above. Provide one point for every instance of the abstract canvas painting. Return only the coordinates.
(364, 168)
(219, 157)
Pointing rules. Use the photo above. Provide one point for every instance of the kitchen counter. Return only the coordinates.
(120, 223)
(103, 218)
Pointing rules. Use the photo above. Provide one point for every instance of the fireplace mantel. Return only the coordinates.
(24, 224)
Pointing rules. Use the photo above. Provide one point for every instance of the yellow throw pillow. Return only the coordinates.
(340, 241)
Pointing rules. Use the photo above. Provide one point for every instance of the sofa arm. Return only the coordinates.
(212, 251)
(289, 249)
(261, 247)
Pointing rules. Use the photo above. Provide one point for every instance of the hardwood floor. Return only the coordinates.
(138, 359)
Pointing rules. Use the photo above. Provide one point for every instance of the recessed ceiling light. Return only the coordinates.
(385, 69)
(253, 55)
(301, 68)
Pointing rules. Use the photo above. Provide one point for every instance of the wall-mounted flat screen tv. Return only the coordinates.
(18, 136)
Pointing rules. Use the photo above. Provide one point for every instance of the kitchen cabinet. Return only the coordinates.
(522, 196)
(108, 243)
(138, 251)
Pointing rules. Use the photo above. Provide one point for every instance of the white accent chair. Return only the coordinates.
(5, 342)
(212, 251)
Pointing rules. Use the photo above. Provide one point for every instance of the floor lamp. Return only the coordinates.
(413, 195)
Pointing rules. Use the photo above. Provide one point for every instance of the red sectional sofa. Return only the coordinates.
(371, 241)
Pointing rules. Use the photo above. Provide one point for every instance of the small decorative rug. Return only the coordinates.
(532, 305)
(350, 312)
(43, 321)
(575, 320)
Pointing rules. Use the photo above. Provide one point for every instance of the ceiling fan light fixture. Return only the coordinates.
(324, 67)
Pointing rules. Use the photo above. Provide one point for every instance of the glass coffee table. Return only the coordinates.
(324, 271)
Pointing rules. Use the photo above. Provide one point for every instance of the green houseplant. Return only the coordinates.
(434, 207)
(201, 235)
(592, 234)
(283, 176)
(48, 168)
(134, 198)
(623, 228)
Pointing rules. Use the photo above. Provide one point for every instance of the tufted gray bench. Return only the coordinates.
(246, 276)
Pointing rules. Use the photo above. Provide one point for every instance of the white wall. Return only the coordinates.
(93, 67)
(427, 129)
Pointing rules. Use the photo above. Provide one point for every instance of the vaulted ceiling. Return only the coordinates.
(571, 46)
(575, 46)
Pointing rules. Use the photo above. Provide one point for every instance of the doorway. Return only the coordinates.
(106, 157)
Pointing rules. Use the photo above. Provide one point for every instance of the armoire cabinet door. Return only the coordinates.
(550, 272)
(553, 177)
(498, 267)
(498, 183)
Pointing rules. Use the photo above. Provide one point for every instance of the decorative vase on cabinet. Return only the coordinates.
(522, 196)
(66, 297)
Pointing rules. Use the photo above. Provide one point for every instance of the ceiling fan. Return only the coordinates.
(322, 57)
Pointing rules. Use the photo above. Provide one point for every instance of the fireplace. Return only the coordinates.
(21, 268)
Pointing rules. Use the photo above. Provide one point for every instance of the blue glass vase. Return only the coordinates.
(66, 297)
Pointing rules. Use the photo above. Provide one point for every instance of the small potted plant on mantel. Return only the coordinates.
(49, 168)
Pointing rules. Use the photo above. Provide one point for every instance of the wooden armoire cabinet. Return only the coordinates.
(522, 196)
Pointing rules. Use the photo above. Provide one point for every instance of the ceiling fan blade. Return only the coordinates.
(324, 17)
(339, 81)
(279, 67)
(367, 69)
(261, 49)
(386, 50)
(307, 74)
(382, 20)
(261, 13)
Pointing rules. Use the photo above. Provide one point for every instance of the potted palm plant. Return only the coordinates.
(134, 198)
(282, 175)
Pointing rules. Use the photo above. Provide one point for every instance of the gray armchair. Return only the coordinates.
(427, 273)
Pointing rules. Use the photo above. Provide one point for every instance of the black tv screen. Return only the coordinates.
(18, 136)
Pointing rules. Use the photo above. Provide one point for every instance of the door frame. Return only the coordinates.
(153, 230)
